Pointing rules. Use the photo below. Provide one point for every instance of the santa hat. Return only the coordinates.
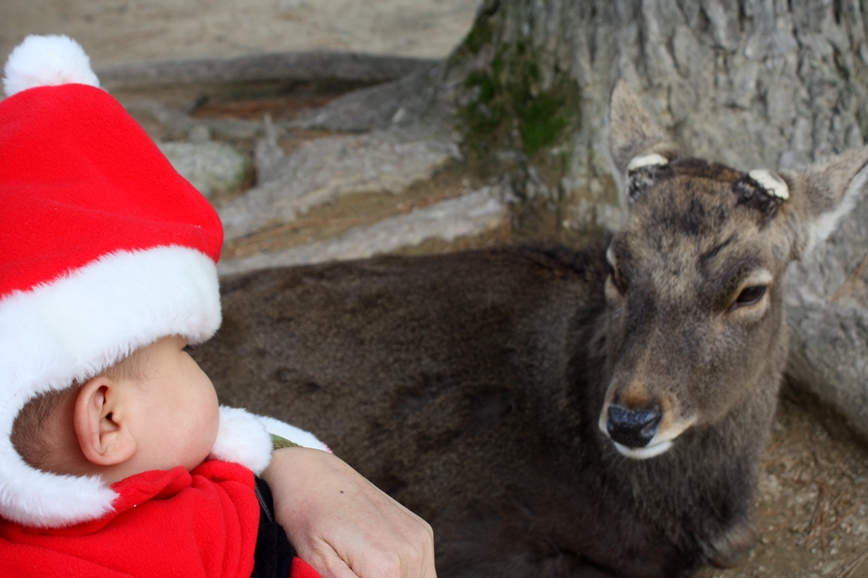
(104, 248)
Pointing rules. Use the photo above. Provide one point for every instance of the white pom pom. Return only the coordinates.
(47, 61)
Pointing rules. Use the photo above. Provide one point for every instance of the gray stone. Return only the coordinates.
(267, 154)
(200, 133)
(827, 309)
(321, 170)
(211, 167)
(173, 123)
(469, 215)
(399, 102)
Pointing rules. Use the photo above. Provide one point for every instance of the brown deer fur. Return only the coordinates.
(481, 388)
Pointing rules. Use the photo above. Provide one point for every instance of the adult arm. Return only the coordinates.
(343, 525)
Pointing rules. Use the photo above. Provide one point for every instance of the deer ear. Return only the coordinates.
(823, 193)
(636, 145)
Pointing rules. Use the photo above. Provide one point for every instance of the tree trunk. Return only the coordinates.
(752, 83)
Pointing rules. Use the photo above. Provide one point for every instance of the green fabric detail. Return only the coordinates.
(278, 442)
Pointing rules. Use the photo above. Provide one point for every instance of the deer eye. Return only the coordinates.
(748, 296)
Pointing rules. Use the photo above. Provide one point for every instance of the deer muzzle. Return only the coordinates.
(632, 428)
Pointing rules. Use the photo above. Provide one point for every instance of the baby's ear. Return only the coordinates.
(102, 433)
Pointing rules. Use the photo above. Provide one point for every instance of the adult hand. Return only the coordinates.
(343, 525)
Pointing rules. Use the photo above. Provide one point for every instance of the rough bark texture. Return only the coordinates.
(752, 83)
(827, 308)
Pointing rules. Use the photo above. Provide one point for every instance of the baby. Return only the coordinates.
(153, 410)
(157, 410)
(116, 458)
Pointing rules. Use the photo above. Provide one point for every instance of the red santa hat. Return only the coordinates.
(104, 248)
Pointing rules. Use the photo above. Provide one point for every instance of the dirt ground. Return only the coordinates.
(812, 502)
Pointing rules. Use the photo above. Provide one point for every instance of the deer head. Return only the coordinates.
(694, 292)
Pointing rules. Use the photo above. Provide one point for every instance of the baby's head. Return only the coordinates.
(153, 410)
(104, 250)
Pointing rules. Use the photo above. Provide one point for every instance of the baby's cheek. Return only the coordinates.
(210, 424)
(213, 425)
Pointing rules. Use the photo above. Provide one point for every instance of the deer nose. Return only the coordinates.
(632, 428)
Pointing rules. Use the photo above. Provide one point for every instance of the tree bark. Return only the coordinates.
(753, 83)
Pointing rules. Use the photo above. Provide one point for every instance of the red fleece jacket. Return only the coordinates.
(199, 524)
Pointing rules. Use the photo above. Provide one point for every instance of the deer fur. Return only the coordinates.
(555, 411)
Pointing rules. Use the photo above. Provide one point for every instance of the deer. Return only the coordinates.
(556, 411)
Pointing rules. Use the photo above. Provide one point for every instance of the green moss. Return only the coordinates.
(485, 114)
(510, 110)
(480, 34)
(497, 66)
(485, 83)
(542, 119)
(543, 123)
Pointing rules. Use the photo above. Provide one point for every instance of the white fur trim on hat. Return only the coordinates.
(75, 327)
(47, 61)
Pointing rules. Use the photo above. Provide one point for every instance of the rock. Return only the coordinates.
(267, 154)
(827, 309)
(470, 215)
(399, 102)
(321, 170)
(211, 167)
(200, 134)
(173, 123)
